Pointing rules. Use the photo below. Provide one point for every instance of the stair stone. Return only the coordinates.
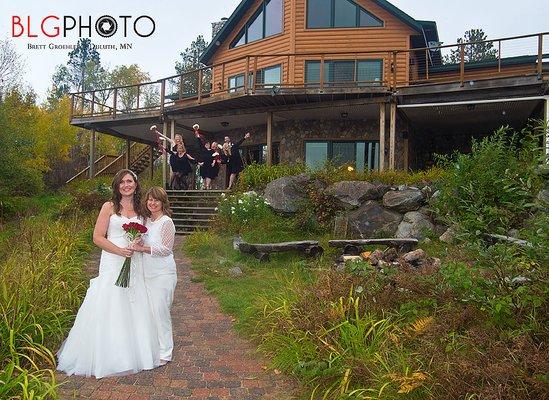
(193, 209)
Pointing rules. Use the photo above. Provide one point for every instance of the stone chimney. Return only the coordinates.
(216, 26)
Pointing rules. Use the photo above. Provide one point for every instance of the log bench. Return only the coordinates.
(309, 248)
(354, 246)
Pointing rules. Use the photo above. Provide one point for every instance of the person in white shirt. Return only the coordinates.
(159, 265)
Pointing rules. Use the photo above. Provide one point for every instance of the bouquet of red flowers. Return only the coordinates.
(134, 230)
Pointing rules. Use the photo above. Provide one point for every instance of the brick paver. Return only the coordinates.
(210, 360)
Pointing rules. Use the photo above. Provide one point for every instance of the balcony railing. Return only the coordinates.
(381, 70)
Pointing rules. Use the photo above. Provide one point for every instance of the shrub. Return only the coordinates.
(491, 189)
(241, 210)
(257, 176)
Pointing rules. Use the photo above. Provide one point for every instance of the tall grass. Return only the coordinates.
(41, 285)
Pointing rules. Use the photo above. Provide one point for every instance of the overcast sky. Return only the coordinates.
(179, 22)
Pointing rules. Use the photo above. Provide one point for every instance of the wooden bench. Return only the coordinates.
(354, 246)
(309, 248)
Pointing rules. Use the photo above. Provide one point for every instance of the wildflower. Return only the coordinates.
(350, 169)
(240, 201)
(359, 289)
(216, 209)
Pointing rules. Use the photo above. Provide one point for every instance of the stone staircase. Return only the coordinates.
(193, 209)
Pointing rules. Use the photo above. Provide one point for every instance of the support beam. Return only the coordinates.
(92, 154)
(382, 136)
(269, 138)
(546, 119)
(392, 137)
(151, 154)
(127, 161)
(165, 161)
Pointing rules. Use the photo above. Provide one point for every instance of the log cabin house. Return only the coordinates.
(358, 82)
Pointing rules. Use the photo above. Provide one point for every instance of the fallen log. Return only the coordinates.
(354, 246)
(310, 248)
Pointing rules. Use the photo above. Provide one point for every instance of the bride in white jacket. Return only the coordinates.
(159, 265)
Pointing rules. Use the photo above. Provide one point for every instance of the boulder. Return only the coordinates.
(448, 236)
(353, 193)
(414, 225)
(372, 220)
(414, 257)
(287, 194)
(403, 200)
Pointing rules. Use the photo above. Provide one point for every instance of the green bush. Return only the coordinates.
(241, 210)
(257, 176)
(492, 189)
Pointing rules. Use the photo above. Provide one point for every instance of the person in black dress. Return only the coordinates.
(232, 156)
(180, 161)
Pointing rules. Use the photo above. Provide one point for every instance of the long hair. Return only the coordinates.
(157, 193)
(117, 197)
(227, 149)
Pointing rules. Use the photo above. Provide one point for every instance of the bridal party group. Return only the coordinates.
(209, 157)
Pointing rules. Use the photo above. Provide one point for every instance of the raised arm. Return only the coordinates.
(237, 144)
(100, 232)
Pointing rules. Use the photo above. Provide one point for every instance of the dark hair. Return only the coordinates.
(157, 193)
(116, 196)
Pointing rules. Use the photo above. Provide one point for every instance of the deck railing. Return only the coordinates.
(379, 70)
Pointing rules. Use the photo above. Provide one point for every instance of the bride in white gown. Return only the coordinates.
(114, 332)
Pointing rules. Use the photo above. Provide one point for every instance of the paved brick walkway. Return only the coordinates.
(210, 360)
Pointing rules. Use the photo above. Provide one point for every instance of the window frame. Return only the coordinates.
(332, 17)
(369, 159)
(243, 33)
(329, 70)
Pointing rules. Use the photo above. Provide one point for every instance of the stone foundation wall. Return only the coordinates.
(291, 136)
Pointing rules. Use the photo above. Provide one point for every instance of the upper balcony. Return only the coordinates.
(271, 80)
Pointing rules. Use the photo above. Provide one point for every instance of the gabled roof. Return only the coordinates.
(244, 5)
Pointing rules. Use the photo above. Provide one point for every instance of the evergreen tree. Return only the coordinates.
(190, 62)
(473, 52)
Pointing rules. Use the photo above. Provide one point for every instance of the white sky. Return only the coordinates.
(178, 23)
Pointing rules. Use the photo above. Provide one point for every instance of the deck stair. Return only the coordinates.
(140, 161)
(193, 209)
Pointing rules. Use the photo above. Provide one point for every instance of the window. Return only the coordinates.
(362, 154)
(258, 154)
(268, 77)
(236, 82)
(339, 14)
(267, 21)
(368, 72)
(265, 78)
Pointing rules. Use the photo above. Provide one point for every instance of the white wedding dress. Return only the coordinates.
(161, 278)
(114, 332)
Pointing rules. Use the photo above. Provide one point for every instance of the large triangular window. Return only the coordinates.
(266, 21)
(339, 14)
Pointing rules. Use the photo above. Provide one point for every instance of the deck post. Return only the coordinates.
(269, 138)
(199, 87)
(381, 136)
(127, 161)
(392, 136)
(91, 171)
(462, 65)
(540, 56)
(165, 161)
(115, 99)
(151, 153)
(546, 135)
